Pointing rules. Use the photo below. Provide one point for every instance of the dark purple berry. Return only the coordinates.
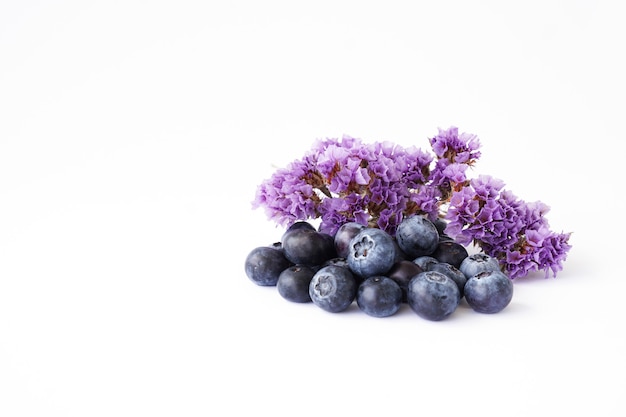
(342, 262)
(451, 271)
(300, 225)
(417, 236)
(344, 235)
(424, 262)
(293, 283)
(402, 272)
(489, 291)
(478, 262)
(379, 296)
(440, 225)
(333, 288)
(450, 252)
(372, 252)
(433, 295)
(264, 265)
(304, 246)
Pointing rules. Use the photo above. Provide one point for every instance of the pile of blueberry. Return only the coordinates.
(419, 266)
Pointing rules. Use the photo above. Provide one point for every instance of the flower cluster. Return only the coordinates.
(380, 183)
(455, 153)
(377, 184)
(515, 232)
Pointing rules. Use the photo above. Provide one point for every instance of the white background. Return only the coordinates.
(133, 135)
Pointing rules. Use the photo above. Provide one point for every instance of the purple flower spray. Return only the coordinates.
(378, 184)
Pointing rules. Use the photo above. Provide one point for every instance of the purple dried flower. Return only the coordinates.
(513, 231)
(445, 173)
(378, 184)
(289, 194)
(455, 153)
(342, 180)
(427, 199)
(463, 148)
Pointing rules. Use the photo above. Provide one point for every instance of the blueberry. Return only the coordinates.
(293, 283)
(331, 252)
(402, 272)
(450, 252)
(451, 271)
(489, 291)
(433, 296)
(344, 235)
(372, 252)
(478, 262)
(417, 236)
(304, 246)
(336, 261)
(300, 225)
(425, 261)
(264, 265)
(333, 288)
(400, 255)
(441, 225)
(379, 296)
(445, 238)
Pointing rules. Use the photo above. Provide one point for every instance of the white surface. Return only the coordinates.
(133, 135)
